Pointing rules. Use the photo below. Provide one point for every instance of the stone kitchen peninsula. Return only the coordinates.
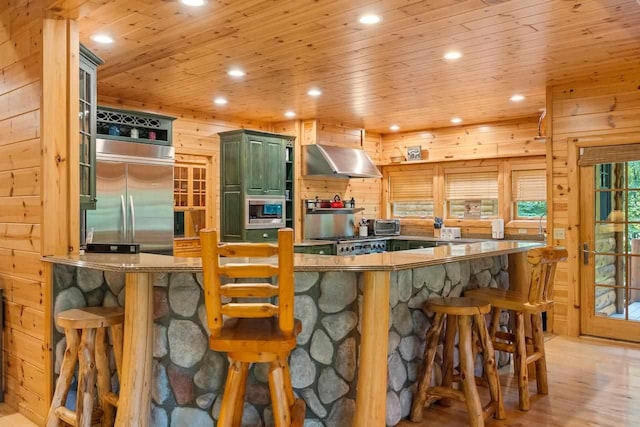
(358, 354)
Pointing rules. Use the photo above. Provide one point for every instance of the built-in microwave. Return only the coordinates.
(265, 212)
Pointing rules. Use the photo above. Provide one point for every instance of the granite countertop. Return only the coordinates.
(387, 261)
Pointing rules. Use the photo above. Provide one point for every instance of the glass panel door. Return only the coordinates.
(611, 250)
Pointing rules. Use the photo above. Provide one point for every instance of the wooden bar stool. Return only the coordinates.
(543, 263)
(469, 316)
(86, 333)
(255, 332)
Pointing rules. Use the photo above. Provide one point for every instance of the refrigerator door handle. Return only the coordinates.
(133, 220)
(124, 218)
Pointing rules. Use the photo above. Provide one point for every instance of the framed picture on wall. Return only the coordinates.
(413, 153)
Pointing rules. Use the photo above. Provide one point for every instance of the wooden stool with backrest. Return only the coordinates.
(543, 263)
(86, 332)
(254, 332)
(466, 316)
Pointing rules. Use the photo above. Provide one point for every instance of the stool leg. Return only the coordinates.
(117, 340)
(233, 392)
(490, 371)
(104, 378)
(86, 378)
(467, 375)
(279, 400)
(420, 397)
(282, 361)
(520, 365)
(495, 322)
(239, 407)
(66, 375)
(447, 355)
(538, 347)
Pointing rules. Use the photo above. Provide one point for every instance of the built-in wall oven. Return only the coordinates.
(264, 212)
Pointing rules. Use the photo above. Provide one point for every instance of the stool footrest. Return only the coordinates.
(66, 415)
(533, 357)
(501, 346)
(446, 392)
(111, 398)
(489, 409)
(508, 336)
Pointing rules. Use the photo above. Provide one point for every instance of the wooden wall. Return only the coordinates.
(478, 141)
(467, 146)
(194, 133)
(365, 191)
(598, 109)
(21, 272)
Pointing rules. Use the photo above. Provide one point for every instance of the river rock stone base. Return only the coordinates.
(188, 378)
(409, 323)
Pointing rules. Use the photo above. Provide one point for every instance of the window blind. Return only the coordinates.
(411, 187)
(472, 185)
(529, 185)
(609, 154)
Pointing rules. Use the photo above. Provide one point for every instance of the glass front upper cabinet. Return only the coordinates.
(87, 99)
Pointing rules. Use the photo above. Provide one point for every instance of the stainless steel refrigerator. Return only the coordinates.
(134, 191)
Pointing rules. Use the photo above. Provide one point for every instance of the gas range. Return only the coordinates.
(356, 245)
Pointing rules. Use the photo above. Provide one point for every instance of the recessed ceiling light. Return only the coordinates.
(236, 72)
(369, 19)
(193, 3)
(220, 100)
(290, 114)
(456, 120)
(517, 98)
(314, 92)
(102, 38)
(452, 54)
(394, 128)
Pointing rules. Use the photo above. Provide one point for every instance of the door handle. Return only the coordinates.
(124, 217)
(585, 253)
(133, 219)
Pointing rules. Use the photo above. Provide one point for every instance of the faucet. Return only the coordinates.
(540, 231)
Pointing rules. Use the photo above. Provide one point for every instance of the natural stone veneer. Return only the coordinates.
(412, 288)
(188, 378)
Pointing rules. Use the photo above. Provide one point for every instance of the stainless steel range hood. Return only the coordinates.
(337, 162)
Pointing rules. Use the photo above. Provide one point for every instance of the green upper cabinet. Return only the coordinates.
(87, 103)
(274, 167)
(253, 163)
(265, 165)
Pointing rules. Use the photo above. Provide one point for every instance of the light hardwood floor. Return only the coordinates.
(591, 383)
(9, 418)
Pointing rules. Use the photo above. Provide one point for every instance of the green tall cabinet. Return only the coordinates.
(253, 164)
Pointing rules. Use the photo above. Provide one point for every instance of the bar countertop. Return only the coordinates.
(387, 261)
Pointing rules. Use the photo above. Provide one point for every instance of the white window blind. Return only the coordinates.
(472, 185)
(411, 194)
(529, 185)
(411, 187)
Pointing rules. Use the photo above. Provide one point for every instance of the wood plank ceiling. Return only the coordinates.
(174, 56)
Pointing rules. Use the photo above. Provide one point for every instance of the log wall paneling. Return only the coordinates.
(509, 138)
(21, 233)
(601, 111)
(509, 143)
